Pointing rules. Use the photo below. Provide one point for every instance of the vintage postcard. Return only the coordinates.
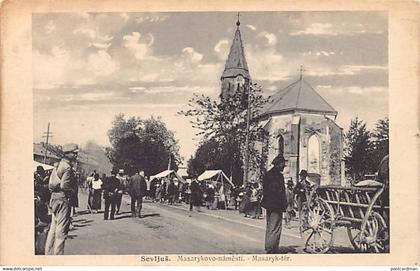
(210, 133)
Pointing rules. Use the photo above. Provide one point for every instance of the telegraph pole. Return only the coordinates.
(47, 135)
(248, 118)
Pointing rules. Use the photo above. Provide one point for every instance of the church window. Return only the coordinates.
(313, 155)
(281, 145)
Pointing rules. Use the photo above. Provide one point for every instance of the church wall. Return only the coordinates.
(330, 149)
(336, 153)
(281, 125)
(329, 136)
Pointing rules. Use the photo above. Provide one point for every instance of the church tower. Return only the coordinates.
(236, 75)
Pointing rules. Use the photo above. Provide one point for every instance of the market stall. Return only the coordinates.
(221, 183)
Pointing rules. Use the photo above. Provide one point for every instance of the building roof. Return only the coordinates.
(236, 63)
(39, 149)
(299, 96)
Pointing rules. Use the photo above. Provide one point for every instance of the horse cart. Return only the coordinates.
(362, 209)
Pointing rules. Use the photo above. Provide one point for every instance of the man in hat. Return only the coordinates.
(137, 190)
(290, 202)
(122, 188)
(110, 186)
(275, 202)
(300, 190)
(61, 186)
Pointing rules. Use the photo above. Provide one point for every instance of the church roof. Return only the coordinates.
(236, 62)
(298, 96)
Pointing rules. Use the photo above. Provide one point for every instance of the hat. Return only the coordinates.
(290, 182)
(121, 171)
(278, 159)
(303, 173)
(70, 148)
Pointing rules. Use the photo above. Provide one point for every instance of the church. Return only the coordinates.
(299, 123)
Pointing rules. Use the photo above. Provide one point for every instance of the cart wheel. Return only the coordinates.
(317, 227)
(374, 238)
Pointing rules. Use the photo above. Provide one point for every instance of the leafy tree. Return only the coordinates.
(358, 150)
(223, 126)
(145, 144)
(212, 155)
(380, 140)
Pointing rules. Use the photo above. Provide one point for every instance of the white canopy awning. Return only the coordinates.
(208, 174)
(167, 173)
(45, 166)
(162, 174)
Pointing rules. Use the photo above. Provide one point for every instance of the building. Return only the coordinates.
(41, 155)
(299, 123)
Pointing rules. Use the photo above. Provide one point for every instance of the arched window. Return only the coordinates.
(281, 145)
(313, 155)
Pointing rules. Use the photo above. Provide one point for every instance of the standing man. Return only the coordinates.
(61, 186)
(110, 187)
(122, 188)
(137, 189)
(196, 195)
(274, 201)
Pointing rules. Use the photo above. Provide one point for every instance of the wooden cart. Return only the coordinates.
(364, 211)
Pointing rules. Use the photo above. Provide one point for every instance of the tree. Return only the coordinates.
(358, 150)
(142, 144)
(211, 155)
(223, 125)
(380, 141)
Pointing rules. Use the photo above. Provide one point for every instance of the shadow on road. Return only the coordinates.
(72, 236)
(287, 249)
(150, 215)
(122, 217)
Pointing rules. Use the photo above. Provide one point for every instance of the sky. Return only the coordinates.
(88, 67)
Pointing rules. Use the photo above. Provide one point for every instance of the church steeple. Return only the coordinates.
(236, 71)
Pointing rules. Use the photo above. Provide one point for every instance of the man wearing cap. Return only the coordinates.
(137, 190)
(61, 186)
(300, 190)
(290, 203)
(122, 188)
(110, 186)
(275, 202)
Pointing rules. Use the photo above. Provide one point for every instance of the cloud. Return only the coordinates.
(151, 18)
(344, 70)
(250, 26)
(221, 48)
(190, 54)
(90, 33)
(270, 38)
(138, 47)
(101, 63)
(170, 89)
(316, 29)
(365, 90)
(353, 69)
(54, 67)
(99, 45)
(329, 29)
(50, 27)
(266, 64)
(125, 16)
(318, 53)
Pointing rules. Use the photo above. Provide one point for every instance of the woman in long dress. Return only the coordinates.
(95, 193)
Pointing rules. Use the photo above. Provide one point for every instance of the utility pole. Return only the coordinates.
(46, 135)
(248, 118)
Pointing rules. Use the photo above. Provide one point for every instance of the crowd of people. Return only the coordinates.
(56, 198)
